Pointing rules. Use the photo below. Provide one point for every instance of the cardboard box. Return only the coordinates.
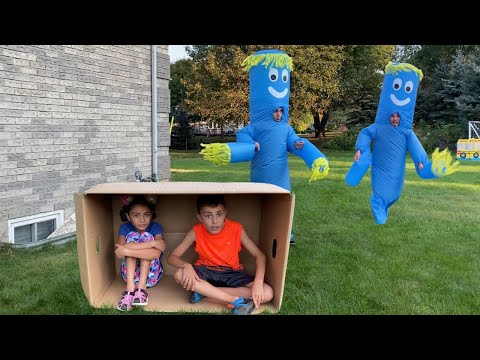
(265, 211)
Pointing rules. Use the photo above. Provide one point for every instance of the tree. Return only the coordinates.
(323, 77)
(179, 71)
(217, 90)
(467, 102)
(317, 124)
(403, 53)
(365, 113)
(361, 78)
(449, 92)
(315, 79)
(182, 132)
(429, 56)
(435, 102)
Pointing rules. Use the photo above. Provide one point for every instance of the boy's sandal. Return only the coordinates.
(196, 297)
(140, 298)
(242, 306)
(125, 303)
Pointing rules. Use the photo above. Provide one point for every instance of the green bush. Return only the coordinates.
(442, 137)
(345, 141)
(430, 137)
(201, 139)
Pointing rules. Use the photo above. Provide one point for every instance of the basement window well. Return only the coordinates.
(30, 229)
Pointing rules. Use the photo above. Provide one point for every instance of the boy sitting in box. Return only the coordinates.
(217, 273)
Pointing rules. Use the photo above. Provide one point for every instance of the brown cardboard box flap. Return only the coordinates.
(186, 188)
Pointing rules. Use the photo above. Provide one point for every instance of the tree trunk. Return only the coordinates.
(316, 123)
(323, 123)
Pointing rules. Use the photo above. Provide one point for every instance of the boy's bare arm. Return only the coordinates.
(258, 295)
(175, 258)
(260, 259)
(188, 274)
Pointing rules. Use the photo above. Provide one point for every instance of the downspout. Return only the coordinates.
(154, 115)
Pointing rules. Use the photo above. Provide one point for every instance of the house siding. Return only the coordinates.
(72, 116)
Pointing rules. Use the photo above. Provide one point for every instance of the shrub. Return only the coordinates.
(345, 141)
(442, 137)
(430, 137)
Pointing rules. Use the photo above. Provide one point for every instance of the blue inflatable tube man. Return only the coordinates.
(392, 140)
(269, 72)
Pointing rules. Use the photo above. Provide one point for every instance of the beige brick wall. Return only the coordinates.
(72, 116)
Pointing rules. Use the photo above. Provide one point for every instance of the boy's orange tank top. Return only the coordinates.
(219, 249)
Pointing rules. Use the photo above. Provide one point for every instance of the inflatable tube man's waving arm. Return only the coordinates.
(418, 154)
(245, 135)
(442, 163)
(231, 152)
(313, 158)
(360, 167)
(226, 153)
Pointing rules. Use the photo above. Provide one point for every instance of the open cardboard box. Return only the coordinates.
(264, 210)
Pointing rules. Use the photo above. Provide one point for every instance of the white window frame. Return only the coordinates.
(33, 219)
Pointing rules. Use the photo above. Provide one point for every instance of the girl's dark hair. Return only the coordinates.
(137, 199)
(209, 200)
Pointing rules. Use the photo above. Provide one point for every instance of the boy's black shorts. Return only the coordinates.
(223, 276)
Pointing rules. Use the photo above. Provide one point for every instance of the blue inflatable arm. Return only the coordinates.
(359, 168)
(245, 135)
(364, 139)
(226, 153)
(231, 152)
(442, 163)
(313, 158)
(418, 154)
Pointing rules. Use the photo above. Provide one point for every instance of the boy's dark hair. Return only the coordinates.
(209, 200)
(137, 199)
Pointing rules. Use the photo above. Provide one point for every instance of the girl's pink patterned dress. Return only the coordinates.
(156, 269)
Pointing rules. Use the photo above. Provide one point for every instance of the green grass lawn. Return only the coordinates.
(425, 260)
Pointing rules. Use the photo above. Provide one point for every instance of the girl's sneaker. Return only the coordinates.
(125, 303)
(140, 298)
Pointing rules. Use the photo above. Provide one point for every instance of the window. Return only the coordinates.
(34, 228)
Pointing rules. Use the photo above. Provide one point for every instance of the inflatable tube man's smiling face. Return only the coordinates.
(399, 93)
(269, 72)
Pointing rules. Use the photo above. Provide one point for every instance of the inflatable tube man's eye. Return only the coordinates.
(285, 75)
(408, 87)
(273, 74)
(397, 84)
